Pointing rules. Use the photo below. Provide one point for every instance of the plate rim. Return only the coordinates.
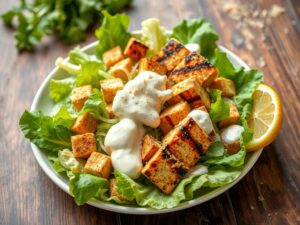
(57, 179)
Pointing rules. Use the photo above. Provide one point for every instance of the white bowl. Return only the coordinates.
(42, 102)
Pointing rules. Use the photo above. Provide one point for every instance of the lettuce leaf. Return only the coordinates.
(85, 187)
(113, 32)
(89, 73)
(59, 89)
(63, 117)
(219, 109)
(44, 132)
(153, 35)
(197, 31)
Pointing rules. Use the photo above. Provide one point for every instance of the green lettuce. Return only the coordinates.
(219, 109)
(63, 117)
(113, 32)
(59, 89)
(197, 31)
(84, 187)
(153, 35)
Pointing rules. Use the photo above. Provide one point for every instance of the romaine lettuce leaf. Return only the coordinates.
(112, 32)
(153, 35)
(219, 109)
(59, 89)
(89, 73)
(63, 117)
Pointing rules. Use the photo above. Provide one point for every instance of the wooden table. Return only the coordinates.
(269, 194)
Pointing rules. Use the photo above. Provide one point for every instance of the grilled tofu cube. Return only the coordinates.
(84, 123)
(114, 192)
(122, 69)
(233, 118)
(194, 65)
(172, 54)
(83, 145)
(232, 148)
(135, 49)
(171, 116)
(225, 85)
(164, 170)
(189, 90)
(112, 56)
(109, 111)
(149, 147)
(147, 64)
(110, 87)
(99, 165)
(79, 95)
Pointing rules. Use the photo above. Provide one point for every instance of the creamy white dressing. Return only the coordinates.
(202, 118)
(193, 47)
(231, 134)
(138, 103)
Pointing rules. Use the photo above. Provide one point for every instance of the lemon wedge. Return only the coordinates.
(266, 118)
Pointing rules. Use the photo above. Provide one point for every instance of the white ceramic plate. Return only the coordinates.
(42, 102)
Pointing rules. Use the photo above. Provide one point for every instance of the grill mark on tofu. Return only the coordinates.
(186, 134)
(169, 50)
(169, 120)
(203, 65)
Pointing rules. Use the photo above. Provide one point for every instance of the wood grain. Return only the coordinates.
(269, 194)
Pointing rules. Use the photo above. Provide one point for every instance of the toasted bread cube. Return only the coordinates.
(122, 69)
(149, 147)
(189, 90)
(109, 111)
(172, 54)
(99, 165)
(79, 95)
(135, 49)
(112, 56)
(172, 115)
(84, 123)
(147, 64)
(232, 148)
(194, 65)
(233, 118)
(114, 192)
(110, 87)
(164, 170)
(186, 141)
(225, 85)
(83, 145)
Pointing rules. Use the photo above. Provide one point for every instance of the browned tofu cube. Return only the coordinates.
(194, 65)
(112, 56)
(99, 165)
(114, 192)
(79, 95)
(233, 118)
(232, 148)
(164, 170)
(135, 49)
(172, 54)
(147, 64)
(172, 115)
(122, 69)
(84, 123)
(225, 85)
(149, 147)
(109, 110)
(110, 87)
(189, 90)
(83, 145)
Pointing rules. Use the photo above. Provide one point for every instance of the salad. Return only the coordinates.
(151, 121)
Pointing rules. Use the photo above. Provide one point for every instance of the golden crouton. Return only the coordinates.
(109, 110)
(147, 64)
(233, 118)
(194, 65)
(171, 54)
(172, 115)
(112, 56)
(110, 87)
(135, 49)
(164, 170)
(122, 69)
(79, 95)
(189, 90)
(99, 165)
(149, 147)
(84, 123)
(83, 145)
(225, 85)
(114, 192)
(232, 148)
